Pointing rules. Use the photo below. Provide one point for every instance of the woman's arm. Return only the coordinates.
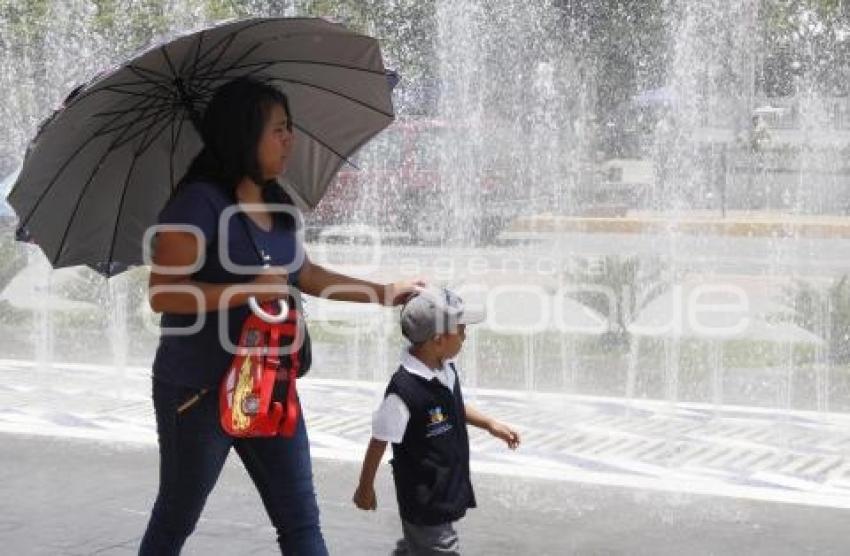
(318, 281)
(178, 293)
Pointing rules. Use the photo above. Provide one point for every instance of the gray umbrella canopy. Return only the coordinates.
(103, 165)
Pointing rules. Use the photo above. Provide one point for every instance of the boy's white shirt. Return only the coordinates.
(389, 421)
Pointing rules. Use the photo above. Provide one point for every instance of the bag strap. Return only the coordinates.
(264, 257)
(290, 419)
(272, 363)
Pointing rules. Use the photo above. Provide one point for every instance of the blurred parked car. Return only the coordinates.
(418, 180)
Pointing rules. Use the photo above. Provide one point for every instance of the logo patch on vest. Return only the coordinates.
(437, 422)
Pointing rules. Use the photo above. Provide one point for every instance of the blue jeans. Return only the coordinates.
(193, 448)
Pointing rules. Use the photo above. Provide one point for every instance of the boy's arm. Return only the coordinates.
(364, 496)
(500, 430)
(475, 418)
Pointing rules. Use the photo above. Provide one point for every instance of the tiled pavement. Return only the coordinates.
(738, 452)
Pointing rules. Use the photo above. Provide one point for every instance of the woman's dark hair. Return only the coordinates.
(231, 128)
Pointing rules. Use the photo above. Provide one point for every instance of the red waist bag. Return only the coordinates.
(257, 396)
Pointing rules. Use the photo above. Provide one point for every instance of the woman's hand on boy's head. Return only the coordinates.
(506, 433)
(397, 293)
(365, 498)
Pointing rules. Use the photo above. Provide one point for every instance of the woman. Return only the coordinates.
(200, 283)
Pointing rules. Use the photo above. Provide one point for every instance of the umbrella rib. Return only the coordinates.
(111, 88)
(146, 145)
(139, 119)
(174, 140)
(171, 152)
(312, 136)
(114, 89)
(186, 99)
(202, 88)
(200, 81)
(212, 75)
(156, 84)
(76, 210)
(143, 81)
(50, 185)
(164, 51)
(229, 39)
(198, 45)
(123, 112)
(120, 209)
(232, 37)
(139, 132)
(211, 64)
(337, 93)
(138, 70)
(201, 57)
(139, 152)
(290, 35)
(235, 63)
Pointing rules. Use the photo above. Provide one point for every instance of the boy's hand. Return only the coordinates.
(503, 431)
(365, 499)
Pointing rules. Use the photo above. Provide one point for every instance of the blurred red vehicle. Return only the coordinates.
(422, 180)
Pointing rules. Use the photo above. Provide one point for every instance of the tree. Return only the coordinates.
(632, 281)
(624, 44)
(806, 40)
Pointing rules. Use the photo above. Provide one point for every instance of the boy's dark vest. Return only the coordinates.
(431, 465)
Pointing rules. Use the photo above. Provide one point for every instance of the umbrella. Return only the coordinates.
(102, 166)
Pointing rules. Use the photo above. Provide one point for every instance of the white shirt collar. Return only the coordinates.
(413, 365)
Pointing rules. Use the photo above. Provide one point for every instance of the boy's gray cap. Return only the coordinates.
(435, 311)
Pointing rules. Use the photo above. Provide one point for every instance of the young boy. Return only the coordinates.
(424, 416)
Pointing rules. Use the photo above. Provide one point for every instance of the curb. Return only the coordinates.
(729, 227)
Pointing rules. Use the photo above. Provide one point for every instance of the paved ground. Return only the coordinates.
(76, 497)
(733, 451)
